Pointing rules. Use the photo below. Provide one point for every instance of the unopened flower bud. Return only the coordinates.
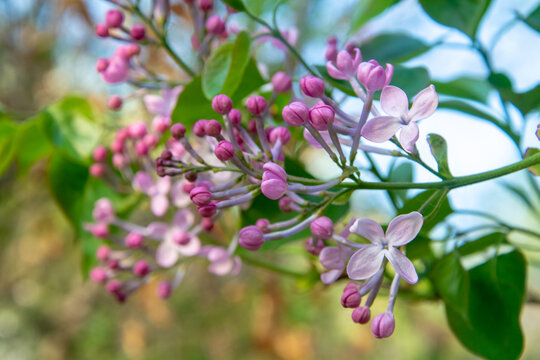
(113, 264)
(314, 246)
(137, 32)
(161, 123)
(141, 148)
(200, 195)
(322, 227)
(296, 114)
(180, 237)
(207, 224)
(373, 76)
(100, 154)
(114, 18)
(263, 225)
(285, 204)
(103, 252)
(137, 130)
(281, 82)
(101, 64)
(133, 240)
(206, 5)
(103, 211)
(97, 170)
(150, 140)
(320, 116)
(274, 181)
(215, 25)
(251, 238)
(224, 150)
(164, 289)
(222, 104)
(235, 116)
(99, 230)
(350, 298)
(114, 286)
(280, 133)
(141, 268)
(115, 102)
(178, 131)
(383, 325)
(361, 315)
(252, 126)
(102, 30)
(256, 105)
(212, 128)
(312, 86)
(331, 50)
(98, 275)
(187, 187)
(199, 128)
(190, 176)
(208, 210)
(119, 161)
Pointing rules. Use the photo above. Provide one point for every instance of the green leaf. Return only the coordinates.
(469, 108)
(251, 81)
(439, 150)
(410, 80)
(401, 173)
(438, 207)
(470, 88)
(69, 126)
(496, 294)
(464, 15)
(239, 61)
(535, 169)
(526, 102)
(522, 195)
(192, 105)
(481, 244)
(237, 5)
(8, 131)
(31, 144)
(368, 9)
(533, 19)
(451, 282)
(392, 48)
(216, 69)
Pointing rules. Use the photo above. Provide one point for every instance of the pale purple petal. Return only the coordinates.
(408, 136)
(221, 268)
(403, 266)
(331, 276)
(330, 258)
(157, 230)
(381, 128)
(155, 104)
(159, 205)
(237, 266)
(394, 101)
(313, 142)
(404, 228)
(142, 182)
(163, 185)
(166, 254)
(347, 230)
(369, 229)
(424, 104)
(179, 198)
(192, 248)
(335, 72)
(183, 219)
(365, 262)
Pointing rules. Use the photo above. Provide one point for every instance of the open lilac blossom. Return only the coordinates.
(346, 65)
(162, 104)
(395, 103)
(158, 191)
(365, 262)
(221, 261)
(335, 258)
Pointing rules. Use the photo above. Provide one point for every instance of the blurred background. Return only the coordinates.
(47, 310)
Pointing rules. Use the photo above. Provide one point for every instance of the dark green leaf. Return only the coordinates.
(420, 248)
(239, 61)
(439, 149)
(368, 9)
(410, 80)
(237, 5)
(401, 173)
(192, 105)
(535, 169)
(437, 208)
(491, 327)
(464, 15)
(251, 81)
(469, 108)
(526, 102)
(470, 88)
(392, 48)
(481, 244)
(32, 145)
(451, 282)
(533, 19)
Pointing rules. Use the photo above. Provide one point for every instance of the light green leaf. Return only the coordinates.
(451, 282)
(367, 10)
(392, 48)
(470, 88)
(8, 131)
(535, 169)
(192, 105)
(439, 150)
(216, 69)
(32, 145)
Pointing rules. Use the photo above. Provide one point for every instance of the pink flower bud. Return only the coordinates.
(132, 50)
(100, 154)
(373, 76)
(187, 187)
(115, 102)
(350, 298)
(224, 150)
(200, 195)
(312, 86)
(114, 286)
(150, 140)
(103, 252)
(222, 104)
(361, 315)
(164, 289)
(235, 116)
(285, 204)
(212, 128)
(207, 224)
(137, 130)
(274, 181)
(206, 5)
(256, 105)
(296, 114)
(281, 82)
(141, 268)
(383, 325)
(161, 123)
(97, 170)
(117, 146)
(251, 238)
(133, 240)
(122, 134)
(116, 71)
(207, 184)
(280, 133)
(190, 176)
(180, 237)
(103, 211)
(314, 246)
(141, 148)
(137, 32)
(178, 131)
(263, 225)
(119, 161)
(102, 30)
(207, 211)
(113, 264)
(322, 228)
(252, 126)
(331, 50)
(215, 25)
(99, 230)
(199, 128)
(320, 116)
(98, 275)
(195, 44)
(101, 64)
(114, 18)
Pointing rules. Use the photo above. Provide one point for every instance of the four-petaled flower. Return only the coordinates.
(367, 261)
(395, 103)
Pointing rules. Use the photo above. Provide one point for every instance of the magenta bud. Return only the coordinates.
(320, 116)
(222, 104)
(119, 161)
(350, 298)
(274, 181)
(190, 176)
(224, 150)
(280, 133)
(383, 325)
(101, 64)
(150, 140)
(133, 240)
(256, 105)
(235, 116)
(178, 131)
(207, 184)
(361, 315)
(114, 286)
(137, 130)
(100, 230)
(252, 126)
(373, 76)
(187, 187)
(100, 154)
(212, 128)
(141, 268)
(164, 289)
(102, 30)
(314, 246)
(133, 49)
(115, 102)
(113, 264)
(161, 123)
(206, 5)
(207, 224)
(207, 211)
(141, 148)
(281, 82)
(180, 237)
(98, 275)
(117, 146)
(200, 195)
(199, 128)
(322, 228)
(137, 32)
(296, 114)
(114, 18)
(160, 171)
(331, 49)
(166, 155)
(103, 252)
(251, 238)
(103, 211)
(215, 25)
(312, 86)
(263, 225)
(97, 170)
(285, 204)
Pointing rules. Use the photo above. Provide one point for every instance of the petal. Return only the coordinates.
(155, 104)
(237, 266)
(334, 72)
(403, 266)
(365, 262)
(313, 142)
(221, 268)
(191, 248)
(381, 128)
(179, 198)
(183, 219)
(166, 254)
(424, 104)
(159, 205)
(157, 230)
(408, 136)
(331, 276)
(369, 229)
(404, 228)
(142, 182)
(163, 185)
(347, 231)
(394, 101)
(330, 258)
